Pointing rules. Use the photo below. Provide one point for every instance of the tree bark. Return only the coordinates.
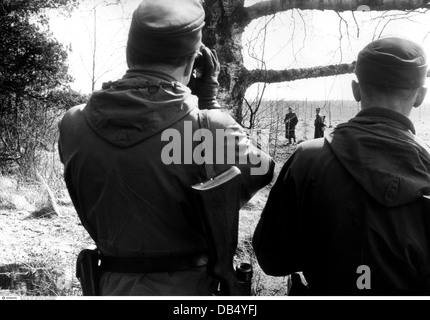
(223, 32)
(275, 76)
(269, 7)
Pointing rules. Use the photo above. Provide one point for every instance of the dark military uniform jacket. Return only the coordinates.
(352, 202)
(319, 126)
(291, 121)
(131, 202)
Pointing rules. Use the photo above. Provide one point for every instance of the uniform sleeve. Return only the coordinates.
(67, 128)
(232, 146)
(276, 238)
(60, 142)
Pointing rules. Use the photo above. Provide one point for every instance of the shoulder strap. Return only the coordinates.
(204, 124)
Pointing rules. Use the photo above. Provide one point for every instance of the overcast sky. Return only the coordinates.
(295, 39)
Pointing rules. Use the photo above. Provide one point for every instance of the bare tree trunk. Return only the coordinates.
(223, 31)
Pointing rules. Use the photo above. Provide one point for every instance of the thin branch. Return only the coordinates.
(341, 33)
(270, 7)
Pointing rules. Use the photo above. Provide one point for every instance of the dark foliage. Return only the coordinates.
(33, 80)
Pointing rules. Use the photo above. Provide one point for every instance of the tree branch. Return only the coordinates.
(276, 76)
(270, 7)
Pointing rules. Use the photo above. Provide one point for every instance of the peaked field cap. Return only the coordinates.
(167, 28)
(392, 62)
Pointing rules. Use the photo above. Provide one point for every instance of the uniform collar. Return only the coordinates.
(145, 73)
(388, 114)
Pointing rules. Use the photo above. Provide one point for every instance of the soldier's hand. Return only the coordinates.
(204, 84)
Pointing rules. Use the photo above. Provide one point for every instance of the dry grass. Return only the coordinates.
(40, 236)
(46, 247)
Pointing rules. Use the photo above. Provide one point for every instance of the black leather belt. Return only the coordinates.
(153, 264)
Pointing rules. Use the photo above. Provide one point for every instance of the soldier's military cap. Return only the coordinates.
(166, 28)
(392, 62)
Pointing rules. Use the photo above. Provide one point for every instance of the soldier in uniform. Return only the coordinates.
(351, 211)
(290, 122)
(319, 125)
(134, 198)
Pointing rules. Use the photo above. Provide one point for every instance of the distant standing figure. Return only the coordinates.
(290, 125)
(319, 125)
